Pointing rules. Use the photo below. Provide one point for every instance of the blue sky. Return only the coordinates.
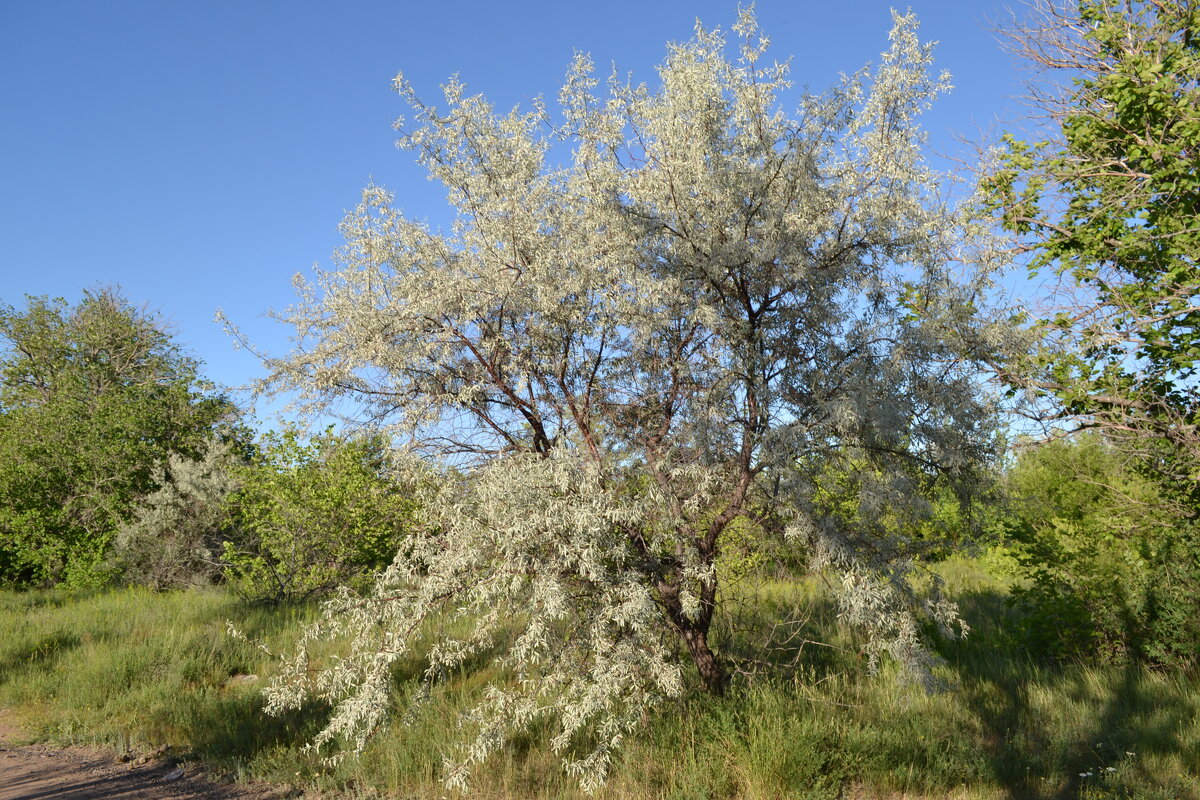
(199, 154)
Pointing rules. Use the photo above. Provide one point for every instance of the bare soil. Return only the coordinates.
(75, 773)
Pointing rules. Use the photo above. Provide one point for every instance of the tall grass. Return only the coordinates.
(134, 670)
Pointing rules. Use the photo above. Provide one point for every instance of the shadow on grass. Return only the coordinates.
(229, 727)
(774, 637)
(226, 725)
(17, 602)
(1025, 706)
(36, 654)
(232, 730)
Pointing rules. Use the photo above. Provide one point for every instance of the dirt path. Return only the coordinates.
(41, 773)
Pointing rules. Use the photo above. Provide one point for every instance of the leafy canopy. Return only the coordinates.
(91, 398)
(1109, 203)
(626, 354)
(1113, 570)
(308, 517)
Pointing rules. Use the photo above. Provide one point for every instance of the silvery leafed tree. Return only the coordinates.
(706, 305)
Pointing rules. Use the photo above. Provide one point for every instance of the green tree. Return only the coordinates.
(627, 355)
(1113, 568)
(311, 516)
(92, 397)
(1109, 204)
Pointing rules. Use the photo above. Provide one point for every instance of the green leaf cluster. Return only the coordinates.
(92, 397)
(312, 515)
(1113, 569)
(1109, 204)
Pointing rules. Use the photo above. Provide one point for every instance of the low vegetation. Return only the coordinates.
(128, 669)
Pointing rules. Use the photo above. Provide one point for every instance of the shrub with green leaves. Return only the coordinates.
(1114, 571)
(92, 397)
(313, 515)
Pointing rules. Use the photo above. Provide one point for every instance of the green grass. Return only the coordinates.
(134, 670)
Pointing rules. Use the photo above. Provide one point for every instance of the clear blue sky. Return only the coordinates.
(198, 154)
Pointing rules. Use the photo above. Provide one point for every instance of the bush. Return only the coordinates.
(1114, 570)
(309, 517)
(92, 397)
(175, 537)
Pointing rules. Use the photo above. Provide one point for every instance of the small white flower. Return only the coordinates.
(1110, 769)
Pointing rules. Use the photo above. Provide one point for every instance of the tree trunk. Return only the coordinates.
(712, 674)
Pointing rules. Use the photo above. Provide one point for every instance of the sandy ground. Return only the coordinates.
(41, 773)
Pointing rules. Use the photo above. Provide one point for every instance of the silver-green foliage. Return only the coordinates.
(174, 538)
(624, 354)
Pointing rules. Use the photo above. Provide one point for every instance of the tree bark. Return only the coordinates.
(712, 674)
(694, 633)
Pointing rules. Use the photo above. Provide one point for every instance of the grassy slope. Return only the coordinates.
(134, 670)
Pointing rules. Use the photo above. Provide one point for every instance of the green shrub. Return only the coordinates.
(1113, 570)
(313, 516)
(92, 397)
